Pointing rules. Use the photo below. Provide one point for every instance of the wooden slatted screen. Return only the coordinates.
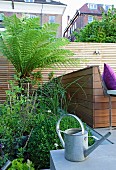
(85, 51)
(80, 94)
(107, 53)
(6, 74)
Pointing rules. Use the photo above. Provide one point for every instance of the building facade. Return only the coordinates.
(48, 11)
(86, 14)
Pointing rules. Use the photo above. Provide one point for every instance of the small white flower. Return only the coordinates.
(28, 161)
(49, 111)
(56, 145)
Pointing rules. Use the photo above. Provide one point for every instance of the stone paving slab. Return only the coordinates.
(103, 131)
(103, 158)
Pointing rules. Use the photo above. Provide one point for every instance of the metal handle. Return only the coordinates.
(94, 137)
(7, 164)
(59, 131)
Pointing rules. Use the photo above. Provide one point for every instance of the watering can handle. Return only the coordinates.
(58, 127)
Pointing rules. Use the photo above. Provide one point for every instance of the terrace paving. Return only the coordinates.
(102, 158)
(103, 131)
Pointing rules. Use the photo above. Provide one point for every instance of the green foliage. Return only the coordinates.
(44, 138)
(28, 124)
(29, 46)
(3, 157)
(17, 116)
(37, 75)
(103, 31)
(51, 97)
(17, 164)
(91, 140)
(51, 75)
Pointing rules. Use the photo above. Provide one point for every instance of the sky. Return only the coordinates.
(73, 5)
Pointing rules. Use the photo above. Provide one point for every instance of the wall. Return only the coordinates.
(38, 9)
(82, 21)
(44, 18)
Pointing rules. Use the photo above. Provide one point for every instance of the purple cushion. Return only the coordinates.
(109, 77)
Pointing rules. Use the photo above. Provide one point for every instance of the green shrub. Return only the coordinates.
(28, 123)
(44, 138)
(51, 97)
(17, 164)
(102, 31)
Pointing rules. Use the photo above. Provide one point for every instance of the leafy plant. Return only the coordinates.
(22, 121)
(27, 127)
(51, 96)
(28, 46)
(51, 75)
(28, 123)
(44, 139)
(17, 115)
(102, 31)
(37, 75)
(3, 157)
(17, 164)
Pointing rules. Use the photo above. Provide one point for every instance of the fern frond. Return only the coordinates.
(28, 46)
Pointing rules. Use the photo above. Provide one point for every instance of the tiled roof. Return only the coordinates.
(86, 10)
(41, 2)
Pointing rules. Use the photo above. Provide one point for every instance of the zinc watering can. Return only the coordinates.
(75, 141)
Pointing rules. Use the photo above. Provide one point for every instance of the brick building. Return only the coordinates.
(86, 14)
(47, 10)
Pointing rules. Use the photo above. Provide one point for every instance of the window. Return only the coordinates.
(68, 32)
(51, 19)
(92, 6)
(106, 7)
(90, 19)
(30, 16)
(48, 0)
(75, 25)
(29, 0)
(73, 28)
(1, 17)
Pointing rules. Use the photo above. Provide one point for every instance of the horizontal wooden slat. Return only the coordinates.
(103, 98)
(80, 112)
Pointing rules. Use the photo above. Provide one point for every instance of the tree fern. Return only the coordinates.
(28, 46)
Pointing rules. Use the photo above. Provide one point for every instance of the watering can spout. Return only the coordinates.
(96, 144)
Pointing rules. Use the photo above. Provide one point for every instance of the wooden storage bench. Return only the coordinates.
(86, 97)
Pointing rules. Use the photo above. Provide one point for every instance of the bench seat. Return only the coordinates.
(86, 97)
